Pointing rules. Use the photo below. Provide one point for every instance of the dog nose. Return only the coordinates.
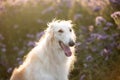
(71, 43)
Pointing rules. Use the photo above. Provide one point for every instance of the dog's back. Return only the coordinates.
(18, 75)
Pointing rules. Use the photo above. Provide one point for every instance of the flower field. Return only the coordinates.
(97, 27)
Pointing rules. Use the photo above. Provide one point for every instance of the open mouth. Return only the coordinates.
(66, 49)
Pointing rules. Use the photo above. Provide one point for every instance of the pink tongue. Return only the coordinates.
(66, 50)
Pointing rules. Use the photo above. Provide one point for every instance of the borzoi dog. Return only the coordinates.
(52, 57)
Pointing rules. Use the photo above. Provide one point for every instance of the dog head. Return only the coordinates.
(63, 33)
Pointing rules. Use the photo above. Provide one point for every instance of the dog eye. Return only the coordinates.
(70, 30)
(61, 31)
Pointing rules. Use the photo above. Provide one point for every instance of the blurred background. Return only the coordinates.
(97, 26)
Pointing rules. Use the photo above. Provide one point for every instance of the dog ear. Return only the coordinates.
(70, 23)
(50, 28)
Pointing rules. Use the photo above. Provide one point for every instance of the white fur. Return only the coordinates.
(47, 61)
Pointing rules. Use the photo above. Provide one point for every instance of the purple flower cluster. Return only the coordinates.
(2, 46)
(89, 58)
(115, 4)
(82, 77)
(99, 20)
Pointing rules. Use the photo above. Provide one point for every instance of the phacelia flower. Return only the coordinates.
(99, 21)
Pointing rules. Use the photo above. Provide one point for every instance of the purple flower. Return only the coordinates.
(18, 59)
(31, 44)
(89, 58)
(97, 8)
(99, 21)
(15, 48)
(68, 3)
(9, 70)
(113, 44)
(104, 36)
(90, 39)
(94, 49)
(58, 11)
(95, 35)
(77, 16)
(109, 24)
(115, 2)
(40, 34)
(98, 36)
(20, 62)
(83, 28)
(106, 28)
(30, 36)
(77, 44)
(21, 52)
(2, 8)
(3, 49)
(47, 10)
(82, 77)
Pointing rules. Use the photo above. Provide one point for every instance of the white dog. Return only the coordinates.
(53, 56)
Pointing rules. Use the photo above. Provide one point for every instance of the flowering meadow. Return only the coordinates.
(96, 24)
